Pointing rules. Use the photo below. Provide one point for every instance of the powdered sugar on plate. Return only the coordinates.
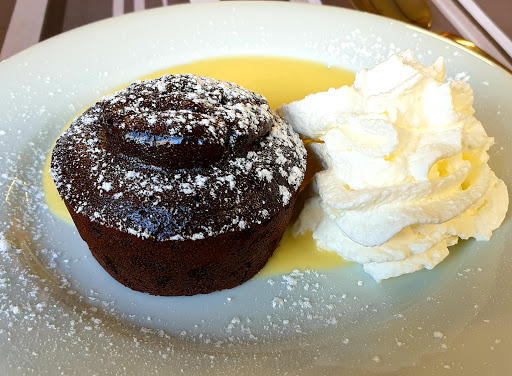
(60, 315)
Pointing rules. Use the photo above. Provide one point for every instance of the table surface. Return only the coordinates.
(24, 23)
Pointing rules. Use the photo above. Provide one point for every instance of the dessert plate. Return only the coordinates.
(61, 313)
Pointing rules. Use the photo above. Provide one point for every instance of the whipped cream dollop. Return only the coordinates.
(405, 167)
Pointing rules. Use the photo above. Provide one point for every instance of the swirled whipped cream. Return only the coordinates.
(405, 167)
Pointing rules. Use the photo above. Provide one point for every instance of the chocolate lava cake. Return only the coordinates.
(180, 185)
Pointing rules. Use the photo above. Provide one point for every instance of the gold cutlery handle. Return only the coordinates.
(411, 11)
(417, 11)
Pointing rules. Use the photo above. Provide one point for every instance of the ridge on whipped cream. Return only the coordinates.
(405, 167)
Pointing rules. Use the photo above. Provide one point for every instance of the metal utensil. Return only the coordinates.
(412, 11)
(418, 13)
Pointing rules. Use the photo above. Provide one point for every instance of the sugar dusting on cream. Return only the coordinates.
(406, 167)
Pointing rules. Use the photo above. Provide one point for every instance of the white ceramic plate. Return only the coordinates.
(61, 313)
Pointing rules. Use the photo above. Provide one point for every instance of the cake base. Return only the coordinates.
(188, 267)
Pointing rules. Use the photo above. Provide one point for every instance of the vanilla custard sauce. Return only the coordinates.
(280, 80)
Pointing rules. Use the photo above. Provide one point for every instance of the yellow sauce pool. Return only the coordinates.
(280, 80)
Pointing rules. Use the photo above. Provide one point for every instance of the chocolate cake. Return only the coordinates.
(180, 185)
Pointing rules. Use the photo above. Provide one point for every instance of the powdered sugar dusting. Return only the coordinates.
(66, 322)
(225, 186)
